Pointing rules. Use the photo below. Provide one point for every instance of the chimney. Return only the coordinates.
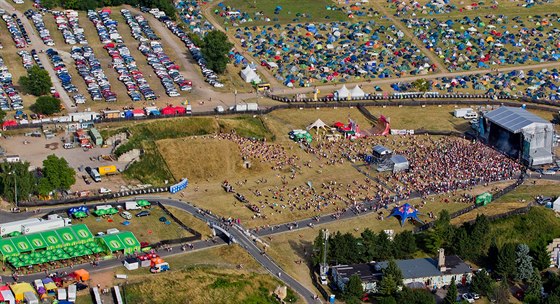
(441, 260)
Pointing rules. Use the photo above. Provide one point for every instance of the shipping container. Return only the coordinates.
(107, 170)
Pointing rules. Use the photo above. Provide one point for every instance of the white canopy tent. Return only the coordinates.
(343, 92)
(357, 92)
(249, 75)
(318, 124)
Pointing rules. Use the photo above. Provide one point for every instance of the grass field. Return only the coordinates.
(206, 276)
(315, 10)
(140, 226)
(192, 222)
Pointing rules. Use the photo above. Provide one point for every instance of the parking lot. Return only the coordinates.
(34, 151)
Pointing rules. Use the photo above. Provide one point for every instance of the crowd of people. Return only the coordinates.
(438, 165)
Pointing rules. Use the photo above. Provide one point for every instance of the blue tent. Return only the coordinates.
(404, 212)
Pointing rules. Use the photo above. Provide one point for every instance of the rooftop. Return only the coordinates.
(513, 119)
(366, 272)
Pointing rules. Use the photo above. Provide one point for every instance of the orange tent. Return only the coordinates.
(82, 274)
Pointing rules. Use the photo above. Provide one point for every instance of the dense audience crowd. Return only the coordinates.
(438, 165)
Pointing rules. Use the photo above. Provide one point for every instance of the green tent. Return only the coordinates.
(483, 199)
(79, 214)
(143, 203)
(112, 211)
(122, 241)
(100, 212)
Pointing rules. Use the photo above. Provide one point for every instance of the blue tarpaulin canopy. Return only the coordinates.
(404, 212)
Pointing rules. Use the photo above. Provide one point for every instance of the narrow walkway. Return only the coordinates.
(435, 59)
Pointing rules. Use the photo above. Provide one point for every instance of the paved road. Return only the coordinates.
(37, 44)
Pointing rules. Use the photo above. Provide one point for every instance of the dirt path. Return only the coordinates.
(37, 43)
(208, 13)
(412, 37)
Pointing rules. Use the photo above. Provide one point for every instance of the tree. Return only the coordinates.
(369, 244)
(505, 265)
(432, 241)
(387, 300)
(391, 280)
(46, 105)
(404, 245)
(58, 173)
(552, 299)
(384, 246)
(451, 296)
(354, 288)
(416, 296)
(479, 237)
(501, 292)
(318, 248)
(421, 85)
(524, 263)
(533, 292)
(16, 173)
(482, 283)
(215, 50)
(443, 227)
(37, 81)
(541, 257)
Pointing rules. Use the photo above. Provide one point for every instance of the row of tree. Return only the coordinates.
(164, 5)
(56, 175)
(370, 246)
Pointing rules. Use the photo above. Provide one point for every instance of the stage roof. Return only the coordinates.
(513, 119)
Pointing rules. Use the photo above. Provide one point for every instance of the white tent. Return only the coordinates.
(556, 205)
(357, 92)
(249, 75)
(318, 124)
(343, 92)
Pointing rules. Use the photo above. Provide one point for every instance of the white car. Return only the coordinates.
(467, 297)
(126, 215)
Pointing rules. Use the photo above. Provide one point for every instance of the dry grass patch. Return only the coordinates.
(200, 159)
(299, 119)
(192, 222)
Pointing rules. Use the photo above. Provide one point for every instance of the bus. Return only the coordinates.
(263, 86)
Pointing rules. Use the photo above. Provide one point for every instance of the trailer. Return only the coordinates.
(118, 297)
(84, 116)
(252, 107)
(61, 294)
(107, 170)
(30, 297)
(72, 292)
(460, 113)
(240, 108)
(96, 137)
(219, 109)
(11, 227)
(96, 295)
(45, 225)
(112, 114)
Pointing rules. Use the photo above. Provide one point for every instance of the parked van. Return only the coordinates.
(68, 145)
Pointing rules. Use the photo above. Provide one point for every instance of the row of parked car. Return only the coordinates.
(89, 67)
(123, 62)
(210, 76)
(9, 97)
(30, 59)
(37, 19)
(61, 71)
(67, 23)
(105, 26)
(166, 69)
(16, 29)
(141, 29)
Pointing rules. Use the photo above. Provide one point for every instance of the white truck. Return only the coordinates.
(240, 108)
(189, 109)
(131, 206)
(7, 228)
(219, 109)
(46, 225)
(460, 113)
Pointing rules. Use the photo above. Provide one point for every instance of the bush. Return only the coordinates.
(37, 82)
(46, 105)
